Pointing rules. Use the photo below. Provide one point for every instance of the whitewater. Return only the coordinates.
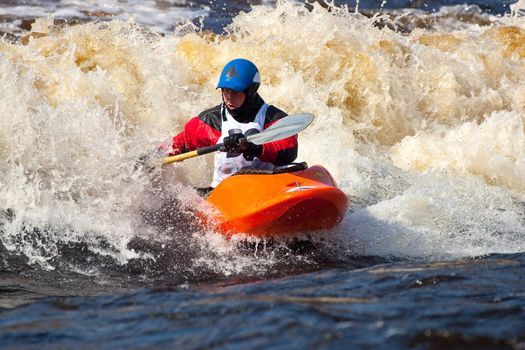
(419, 118)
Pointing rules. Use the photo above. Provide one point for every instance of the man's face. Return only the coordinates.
(233, 99)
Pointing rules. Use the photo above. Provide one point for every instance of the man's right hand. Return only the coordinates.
(235, 143)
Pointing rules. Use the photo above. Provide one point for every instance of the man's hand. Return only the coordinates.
(237, 144)
(252, 150)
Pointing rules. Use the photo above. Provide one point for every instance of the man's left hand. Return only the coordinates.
(252, 150)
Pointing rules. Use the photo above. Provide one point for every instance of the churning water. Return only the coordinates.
(419, 117)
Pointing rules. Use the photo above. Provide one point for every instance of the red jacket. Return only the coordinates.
(205, 129)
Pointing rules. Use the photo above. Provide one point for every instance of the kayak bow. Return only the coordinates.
(282, 202)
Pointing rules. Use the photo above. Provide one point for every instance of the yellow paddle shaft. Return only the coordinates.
(179, 157)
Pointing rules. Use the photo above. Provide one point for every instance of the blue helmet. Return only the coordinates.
(239, 75)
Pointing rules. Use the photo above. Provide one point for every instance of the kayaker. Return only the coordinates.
(242, 112)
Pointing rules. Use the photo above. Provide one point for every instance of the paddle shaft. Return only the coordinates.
(187, 155)
(283, 128)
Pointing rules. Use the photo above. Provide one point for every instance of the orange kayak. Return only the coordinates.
(290, 199)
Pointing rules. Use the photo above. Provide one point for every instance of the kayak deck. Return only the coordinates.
(282, 203)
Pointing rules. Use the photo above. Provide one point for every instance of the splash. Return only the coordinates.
(493, 150)
(413, 126)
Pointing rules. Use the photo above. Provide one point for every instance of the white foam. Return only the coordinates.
(24, 11)
(397, 116)
(150, 13)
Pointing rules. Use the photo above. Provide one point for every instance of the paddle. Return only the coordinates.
(281, 129)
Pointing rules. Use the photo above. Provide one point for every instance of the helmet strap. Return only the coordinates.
(251, 90)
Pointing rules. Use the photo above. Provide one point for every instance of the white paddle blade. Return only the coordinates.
(283, 128)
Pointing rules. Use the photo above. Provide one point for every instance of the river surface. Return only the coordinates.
(420, 110)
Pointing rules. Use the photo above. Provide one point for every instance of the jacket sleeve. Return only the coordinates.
(280, 152)
(196, 134)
